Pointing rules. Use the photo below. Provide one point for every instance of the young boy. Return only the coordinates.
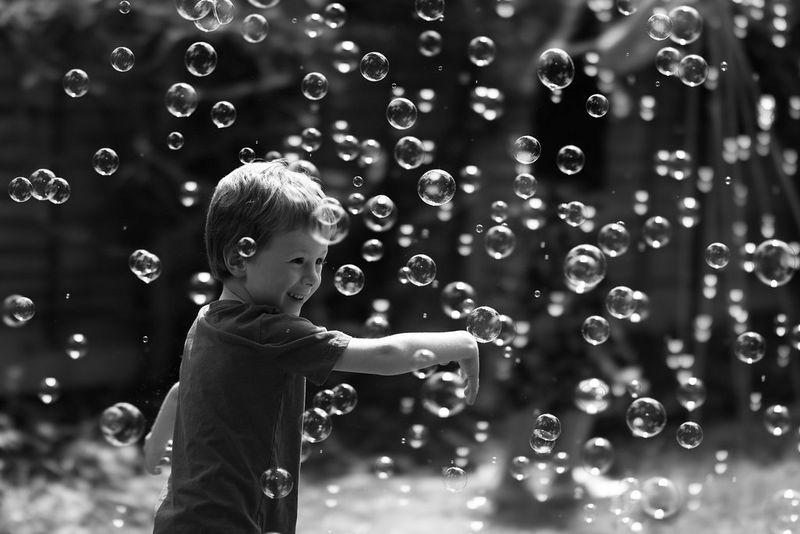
(238, 409)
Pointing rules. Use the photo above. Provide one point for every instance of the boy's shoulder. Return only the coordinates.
(255, 319)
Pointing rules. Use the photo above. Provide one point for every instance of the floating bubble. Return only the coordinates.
(646, 417)
(20, 308)
(470, 178)
(175, 140)
(323, 400)
(181, 99)
(573, 213)
(254, 28)
(687, 24)
(668, 61)
(401, 113)
(49, 390)
(429, 43)
(417, 436)
(348, 147)
(436, 187)
(345, 399)
(520, 468)
(488, 102)
(457, 299)
(689, 435)
(276, 482)
(691, 393)
(58, 191)
(614, 239)
(750, 347)
(122, 424)
(584, 268)
(374, 66)
(499, 211)
(484, 324)
(525, 185)
(314, 25)
(334, 15)
(777, 420)
(246, 247)
(355, 203)
(620, 303)
(597, 105)
(429, 10)
(595, 329)
(793, 336)
(541, 446)
(40, 180)
(372, 250)
(145, 265)
(122, 59)
(481, 51)
(77, 346)
(383, 467)
(370, 152)
(547, 427)
(421, 269)
(193, 9)
(526, 149)
(627, 7)
(346, 56)
(20, 189)
(660, 497)
(455, 478)
(570, 159)
(314, 86)
(717, 255)
(379, 224)
(555, 69)
(597, 456)
(330, 222)
(775, 262)
(247, 155)
(124, 7)
(76, 83)
(264, 4)
(317, 425)
(208, 23)
(189, 193)
(592, 395)
(693, 70)
(202, 288)
(659, 26)
(310, 139)
(508, 331)
(443, 394)
(657, 231)
(200, 59)
(349, 279)
(223, 114)
(380, 206)
(499, 241)
(105, 161)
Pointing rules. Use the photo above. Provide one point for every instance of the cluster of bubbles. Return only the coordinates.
(683, 25)
(122, 424)
(42, 184)
(546, 430)
(145, 265)
(339, 400)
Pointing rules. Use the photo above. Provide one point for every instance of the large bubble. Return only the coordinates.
(481, 51)
(105, 161)
(409, 152)
(526, 149)
(717, 255)
(254, 28)
(122, 424)
(223, 114)
(775, 262)
(122, 59)
(620, 303)
(691, 393)
(421, 269)
(40, 180)
(525, 185)
(76, 83)
(484, 324)
(592, 395)
(436, 187)
(276, 482)
(193, 9)
(689, 435)
(646, 417)
(693, 70)
(659, 26)
(499, 241)
(317, 425)
(429, 10)
(657, 231)
(597, 105)
(457, 299)
(555, 69)
(181, 99)
(314, 85)
(401, 113)
(455, 478)
(570, 159)
(614, 239)
(660, 497)
(584, 268)
(687, 24)
(750, 347)
(374, 66)
(547, 427)
(345, 399)
(330, 222)
(349, 279)
(20, 189)
(595, 329)
(668, 61)
(145, 265)
(597, 455)
(443, 394)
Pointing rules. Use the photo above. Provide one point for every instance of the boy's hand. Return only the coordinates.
(471, 367)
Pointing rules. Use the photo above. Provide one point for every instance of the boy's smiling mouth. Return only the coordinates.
(295, 296)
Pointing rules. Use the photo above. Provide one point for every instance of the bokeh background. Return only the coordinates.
(716, 157)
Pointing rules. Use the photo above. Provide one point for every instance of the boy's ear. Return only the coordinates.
(235, 263)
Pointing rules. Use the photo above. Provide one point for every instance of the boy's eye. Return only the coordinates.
(321, 262)
(297, 260)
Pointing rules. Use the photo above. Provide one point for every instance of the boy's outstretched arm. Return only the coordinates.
(155, 443)
(400, 353)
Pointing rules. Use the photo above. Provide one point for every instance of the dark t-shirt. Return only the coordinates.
(240, 406)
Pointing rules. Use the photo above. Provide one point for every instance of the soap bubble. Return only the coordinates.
(499, 241)
(193, 9)
(383, 467)
(481, 51)
(323, 399)
(20, 189)
(508, 331)
(417, 436)
(555, 69)
(314, 25)
(122, 424)
(691, 393)
(429, 43)
(443, 394)
(657, 231)
(370, 152)
(525, 185)
(668, 61)
(584, 268)
(455, 478)
(374, 66)
(717, 255)
(614, 239)
(401, 113)
(122, 59)
(595, 329)
(570, 159)
(49, 390)
(646, 417)
(457, 299)
(105, 161)
(660, 497)
(409, 152)
(627, 7)
(77, 346)
(689, 435)
(597, 105)
(526, 149)
(777, 420)
(597, 456)
(750, 347)
(223, 114)
(355, 203)
(189, 193)
(276, 482)
(145, 265)
(310, 139)
(693, 70)
(687, 24)
(429, 10)
(20, 308)
(484, 324)
(317, 425)
(379, 224)
(330, 222)
(436, 187)
(76, 83)
(592, 396)
(181, 99)
(573, 213)
(254, 28)
(349, 279)
(782, 511)
(659, 26)
(58, 191)
(345, 399)
(202, 288)
(124, 7)
(246, 247)
(794, 336)
(520, 468)
(346, 56)
(470, 178)
(547, 427)
(372, 250)
(541, 446)
(40, 180)
(421, 269)
(775, 262)
(208, 23)
(499, 211)
(175, 140)
(314, 85)
(380, 206)
(200, 59)
(334, 15)
(620, 303)
(264, 4)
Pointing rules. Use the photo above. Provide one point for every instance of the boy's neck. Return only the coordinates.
(230, 293)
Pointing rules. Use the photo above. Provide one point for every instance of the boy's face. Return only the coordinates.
(287, 272)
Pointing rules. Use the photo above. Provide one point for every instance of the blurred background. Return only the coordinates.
(654, 257)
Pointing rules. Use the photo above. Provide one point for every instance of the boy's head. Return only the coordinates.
(258, 200)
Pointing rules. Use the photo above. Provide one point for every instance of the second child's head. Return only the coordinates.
(273, 206)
